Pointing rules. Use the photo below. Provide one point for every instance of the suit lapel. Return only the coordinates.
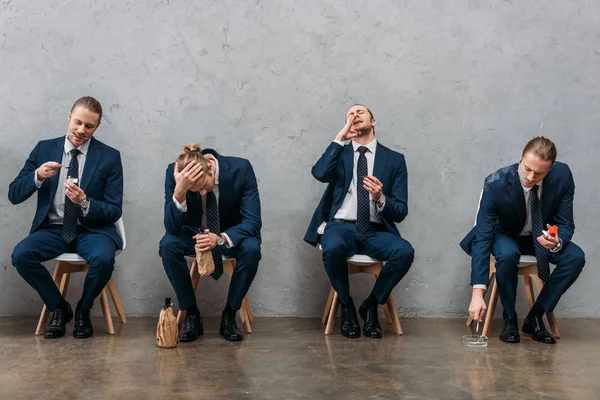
(348, 160)
(547, 197)
(380, 160)
(91, 161)
(515, 192)
(57, 156)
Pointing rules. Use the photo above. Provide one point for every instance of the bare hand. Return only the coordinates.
(477, 307)
(205, 241)
(347, 132)
(74, 193)
(46, 170)
(186, 179)
(549, 242)
(373, 186)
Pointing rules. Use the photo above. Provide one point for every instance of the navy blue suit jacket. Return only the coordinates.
(335, 167)
(239, 204)
(102, 182)
(502, 209)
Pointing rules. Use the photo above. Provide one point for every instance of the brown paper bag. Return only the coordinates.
(206, 264)
(166, 331)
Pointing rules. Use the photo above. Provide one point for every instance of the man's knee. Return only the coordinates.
(21, 257)
(171, 245)
(575, 257)
(333, 246)
(250, 250)
(510, 258)
(404, 252)
(104, 261)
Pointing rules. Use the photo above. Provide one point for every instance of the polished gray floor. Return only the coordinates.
(289, 358)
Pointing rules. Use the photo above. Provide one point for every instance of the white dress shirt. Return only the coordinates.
(183, 206)
(349, 206)
(57, 208)
(527, 228)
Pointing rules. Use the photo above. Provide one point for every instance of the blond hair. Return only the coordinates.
(191, 152)
(542, 147)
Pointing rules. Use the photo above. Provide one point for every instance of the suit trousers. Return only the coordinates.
(341, 241)
(507, 250)
(97, 249)
(174, 248)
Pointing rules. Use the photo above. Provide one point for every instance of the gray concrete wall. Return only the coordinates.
(457, 86)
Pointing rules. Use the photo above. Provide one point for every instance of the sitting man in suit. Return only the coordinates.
(79, 183)
(517, 203)
(205, 190)
(367, 193)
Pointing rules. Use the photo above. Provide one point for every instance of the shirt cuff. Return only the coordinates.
(484, 287)
(228, 242)
(338, 142)
(382, 202)
(181, 207)
(38, 184)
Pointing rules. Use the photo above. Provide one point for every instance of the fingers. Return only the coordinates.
(53, 165)
(196, 173)
(481, 314)
(188, 167)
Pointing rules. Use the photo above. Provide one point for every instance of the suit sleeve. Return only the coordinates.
(250, 210)
(485, 229)
(173, 218)
(396, 200)
(109, 209)
(23, 186)
(564, 214)
(324, 168)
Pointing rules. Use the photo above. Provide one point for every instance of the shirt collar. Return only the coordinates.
(528, 189)
(216, 171)
(69, 146)
(371, 146)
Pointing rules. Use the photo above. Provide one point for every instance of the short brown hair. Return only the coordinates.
(542, 147)
(91, 104)
(191, 152)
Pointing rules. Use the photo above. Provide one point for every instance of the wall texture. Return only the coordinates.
(458, 87)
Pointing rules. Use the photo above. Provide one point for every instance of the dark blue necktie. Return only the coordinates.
(363, 208)
(542, 254)
(212, 220)
(69, 229)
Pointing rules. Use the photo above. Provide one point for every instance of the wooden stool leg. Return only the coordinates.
(110, 329)
(529, 289)
(112, 289)
(391, 306)
(41, 327)
(181, 314)
(245, 318)
(246, 302)
(328, 306)
(550, 316)
(386, 312)
(335, 303)
(489, 316)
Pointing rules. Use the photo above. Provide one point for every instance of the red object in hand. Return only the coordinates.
(553, 231)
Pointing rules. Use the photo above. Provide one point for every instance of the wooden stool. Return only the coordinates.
(360, 264)
(228, 266)
(529, 271)
(62, 275)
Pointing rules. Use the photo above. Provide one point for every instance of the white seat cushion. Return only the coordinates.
(358, 259)
(74, 258)
(524, 261)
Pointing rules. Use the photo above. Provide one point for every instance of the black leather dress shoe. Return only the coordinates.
(229, 329)
(510, 332)
(192, 328)
(83, 328)
(534, 327)
(350, 327)
(371, 327)
(56, 326)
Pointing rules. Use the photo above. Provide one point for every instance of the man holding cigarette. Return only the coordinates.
(79, 183)
(366, 195)
(208, 191)
(518, 203)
